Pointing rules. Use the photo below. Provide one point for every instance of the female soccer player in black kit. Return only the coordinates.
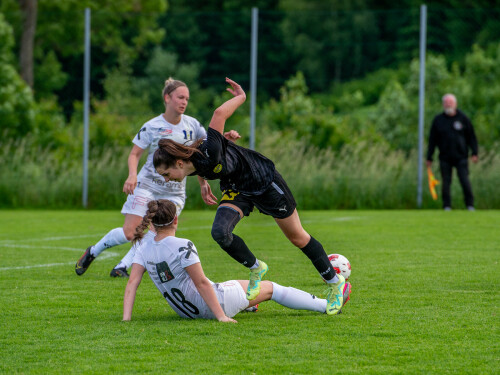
(247, 179)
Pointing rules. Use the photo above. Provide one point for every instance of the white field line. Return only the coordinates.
(40, 247)
(107, 254)
(270, 223)
(49, 238)
(110, 254)
(101, 257)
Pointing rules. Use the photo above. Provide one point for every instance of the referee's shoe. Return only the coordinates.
(84, 262)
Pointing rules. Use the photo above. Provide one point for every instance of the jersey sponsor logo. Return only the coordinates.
(189, 249)
(228, 195)
(167, 184)
(164, 273)
(218, 168)
(458, 125)
(165, 131)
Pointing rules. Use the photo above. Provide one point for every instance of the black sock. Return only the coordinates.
(315, 252)
(239, 251)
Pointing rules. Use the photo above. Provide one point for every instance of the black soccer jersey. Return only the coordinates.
(237, 168)
(453, 135)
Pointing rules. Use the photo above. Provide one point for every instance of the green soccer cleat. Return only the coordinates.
(256, 276)
(335, 296)
(347, 294)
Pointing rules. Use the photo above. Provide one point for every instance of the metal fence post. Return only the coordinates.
(86, 90)
(253, 74)
(421, 101)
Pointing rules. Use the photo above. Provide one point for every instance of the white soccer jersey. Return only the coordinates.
(186, 131)
(165, 262)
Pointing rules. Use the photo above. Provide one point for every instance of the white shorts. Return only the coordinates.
(234, 297)
(137, 203)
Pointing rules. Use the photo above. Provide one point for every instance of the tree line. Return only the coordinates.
(329, 71)
(337, 85)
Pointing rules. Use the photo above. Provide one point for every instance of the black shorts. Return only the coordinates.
(276, 201)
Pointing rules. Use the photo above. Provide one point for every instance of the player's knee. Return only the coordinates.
(221, 234)
(300, 239)
(222, 229)
(129, 233)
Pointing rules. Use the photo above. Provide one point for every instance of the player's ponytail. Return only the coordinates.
(160, 213)
(169, 151)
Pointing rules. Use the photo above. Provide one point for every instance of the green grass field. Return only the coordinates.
(425, 299)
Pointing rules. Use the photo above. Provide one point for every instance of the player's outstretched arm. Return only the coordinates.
(227, 108)
(131, 290)
(207, 292)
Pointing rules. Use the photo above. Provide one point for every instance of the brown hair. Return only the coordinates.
(169, 151)
(160, 213)
(170, 85)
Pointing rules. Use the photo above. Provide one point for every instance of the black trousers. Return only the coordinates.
(462, 167)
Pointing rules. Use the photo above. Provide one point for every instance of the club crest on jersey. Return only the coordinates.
(218, 168)
(189, 249)
(458, 125)
(163, 272)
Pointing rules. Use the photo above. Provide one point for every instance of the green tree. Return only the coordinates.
(122, 31)
(16, 101)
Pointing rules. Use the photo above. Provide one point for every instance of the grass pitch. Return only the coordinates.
(425, 298)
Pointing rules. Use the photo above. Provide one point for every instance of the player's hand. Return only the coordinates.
(232, 135)
(130, 185)
(474, 158)
(235, 89)
(227, 319)
(207, 195)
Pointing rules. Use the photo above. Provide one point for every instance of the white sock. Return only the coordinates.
(114, 237)
(297, 299)
(126, 261)
(256, 265)
(333, 281)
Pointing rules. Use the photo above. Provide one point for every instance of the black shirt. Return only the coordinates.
(236, 167)
(453, 135)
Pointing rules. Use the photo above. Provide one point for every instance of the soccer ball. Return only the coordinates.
(340, 264)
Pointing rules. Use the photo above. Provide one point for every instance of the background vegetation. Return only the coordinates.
(337, 91)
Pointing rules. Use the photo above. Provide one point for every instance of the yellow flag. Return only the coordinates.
(432, 183)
